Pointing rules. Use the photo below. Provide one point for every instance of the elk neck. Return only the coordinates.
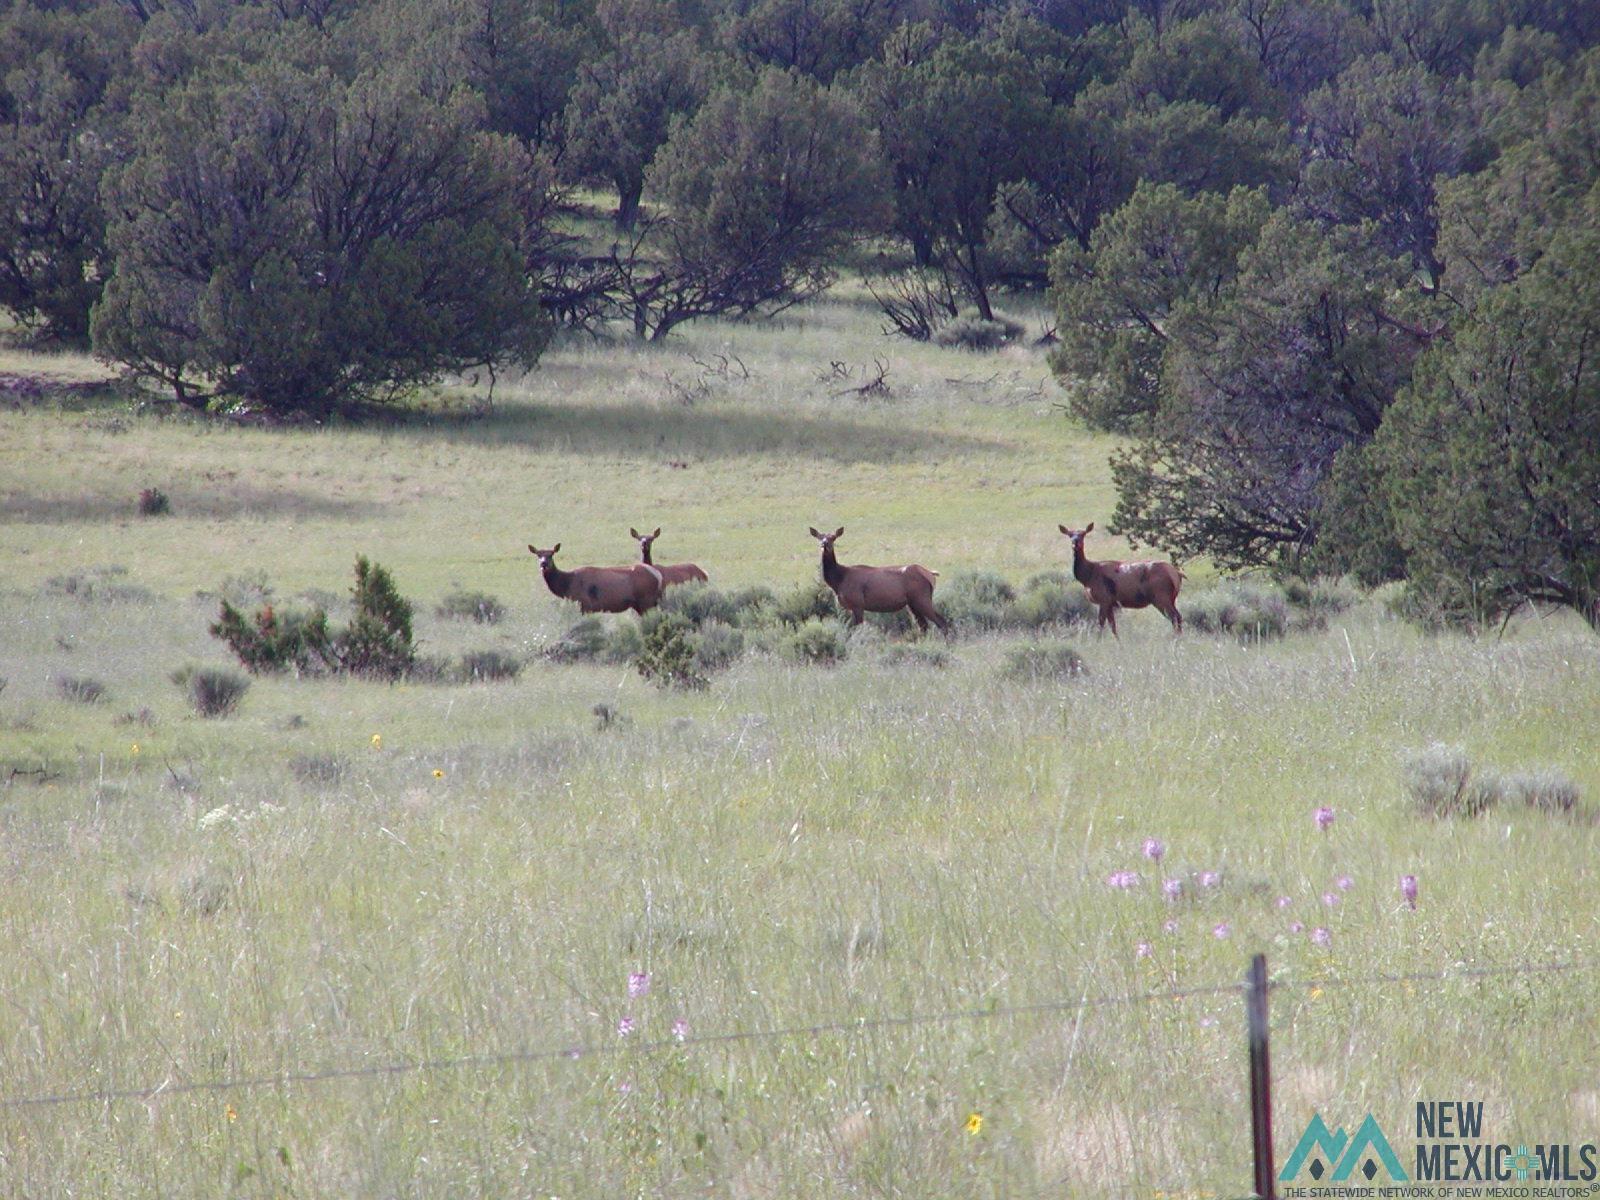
(1082, 569)
(646, 558)
(557, 580)
(832, 572)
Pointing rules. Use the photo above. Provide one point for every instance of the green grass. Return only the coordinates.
(271, 892)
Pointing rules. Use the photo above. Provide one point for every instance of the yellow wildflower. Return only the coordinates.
(377, 741)
(134, 749)
(231, 1113)
(974, 1123)
(437, 773)
(1316, 993)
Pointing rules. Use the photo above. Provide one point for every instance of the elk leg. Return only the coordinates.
(922, 621)
(858, 615)
(1172, 614)
(1109, 614)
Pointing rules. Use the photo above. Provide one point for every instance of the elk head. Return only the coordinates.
(828, 539)
(1077, 535)
(546, 557)
(644, 539)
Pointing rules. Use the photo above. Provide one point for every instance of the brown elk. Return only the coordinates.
(880, 589)
(1114, 585)
(676, 572)
(602, 589)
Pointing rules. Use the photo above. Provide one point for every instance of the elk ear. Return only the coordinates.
(838, 533)
(1064, 530)
(531, 550)
(555, 548)
(1091, 528)
(633, 533)
(814, 533)
(656, 534)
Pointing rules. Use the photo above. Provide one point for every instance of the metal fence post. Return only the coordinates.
(1260, 1079)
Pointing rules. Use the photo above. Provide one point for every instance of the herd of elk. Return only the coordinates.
(1113, 585)
(861, 589)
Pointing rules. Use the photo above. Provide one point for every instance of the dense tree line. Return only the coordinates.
(1321, 261)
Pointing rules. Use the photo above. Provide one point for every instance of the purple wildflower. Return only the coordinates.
(1154, 849)
(680, 1030)
(1408, 889)
(1170, 927)
(1296, 927)
(1123, 879)
(1143, 950)
(1330, 898)
(1344, 883)
(1221, 931)
(1321, 937)
(1283, 902)
(1209, 879)
(638, 984)
(1323, 817)
(625, 1027)
(1172, 889)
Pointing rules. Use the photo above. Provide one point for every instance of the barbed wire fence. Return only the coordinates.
(1255, 988)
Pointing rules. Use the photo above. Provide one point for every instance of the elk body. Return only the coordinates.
(1114, 585)
(879, 589)
(602, 589)
(676, 572)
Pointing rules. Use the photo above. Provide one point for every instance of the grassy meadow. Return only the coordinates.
(344, 876)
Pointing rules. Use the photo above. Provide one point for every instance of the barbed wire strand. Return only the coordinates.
(783, 1033)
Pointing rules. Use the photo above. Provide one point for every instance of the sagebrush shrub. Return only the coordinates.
(1547, 789)
(481, 666)
(975, 599)
(470, 606)
(320, 770)
(808, 602)
(83, 689)
(582, 641)
(974, 333)
(1439, 781)
(816, 643)
(1044, 602)
(700, 602)
(98, 586)
(1247, 610)
(1323, 597)
(212, 691)
(1043, 660)
(623, 644)
(910, 654)
(153, 502)
(717, 646)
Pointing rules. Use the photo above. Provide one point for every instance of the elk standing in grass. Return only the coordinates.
(1114, 585)
(602, 589)
(880, 589)
(676, 572)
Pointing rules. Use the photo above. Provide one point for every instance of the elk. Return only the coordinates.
(677, 572)
(1114, 585)
(880, 589)
(602, 589)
